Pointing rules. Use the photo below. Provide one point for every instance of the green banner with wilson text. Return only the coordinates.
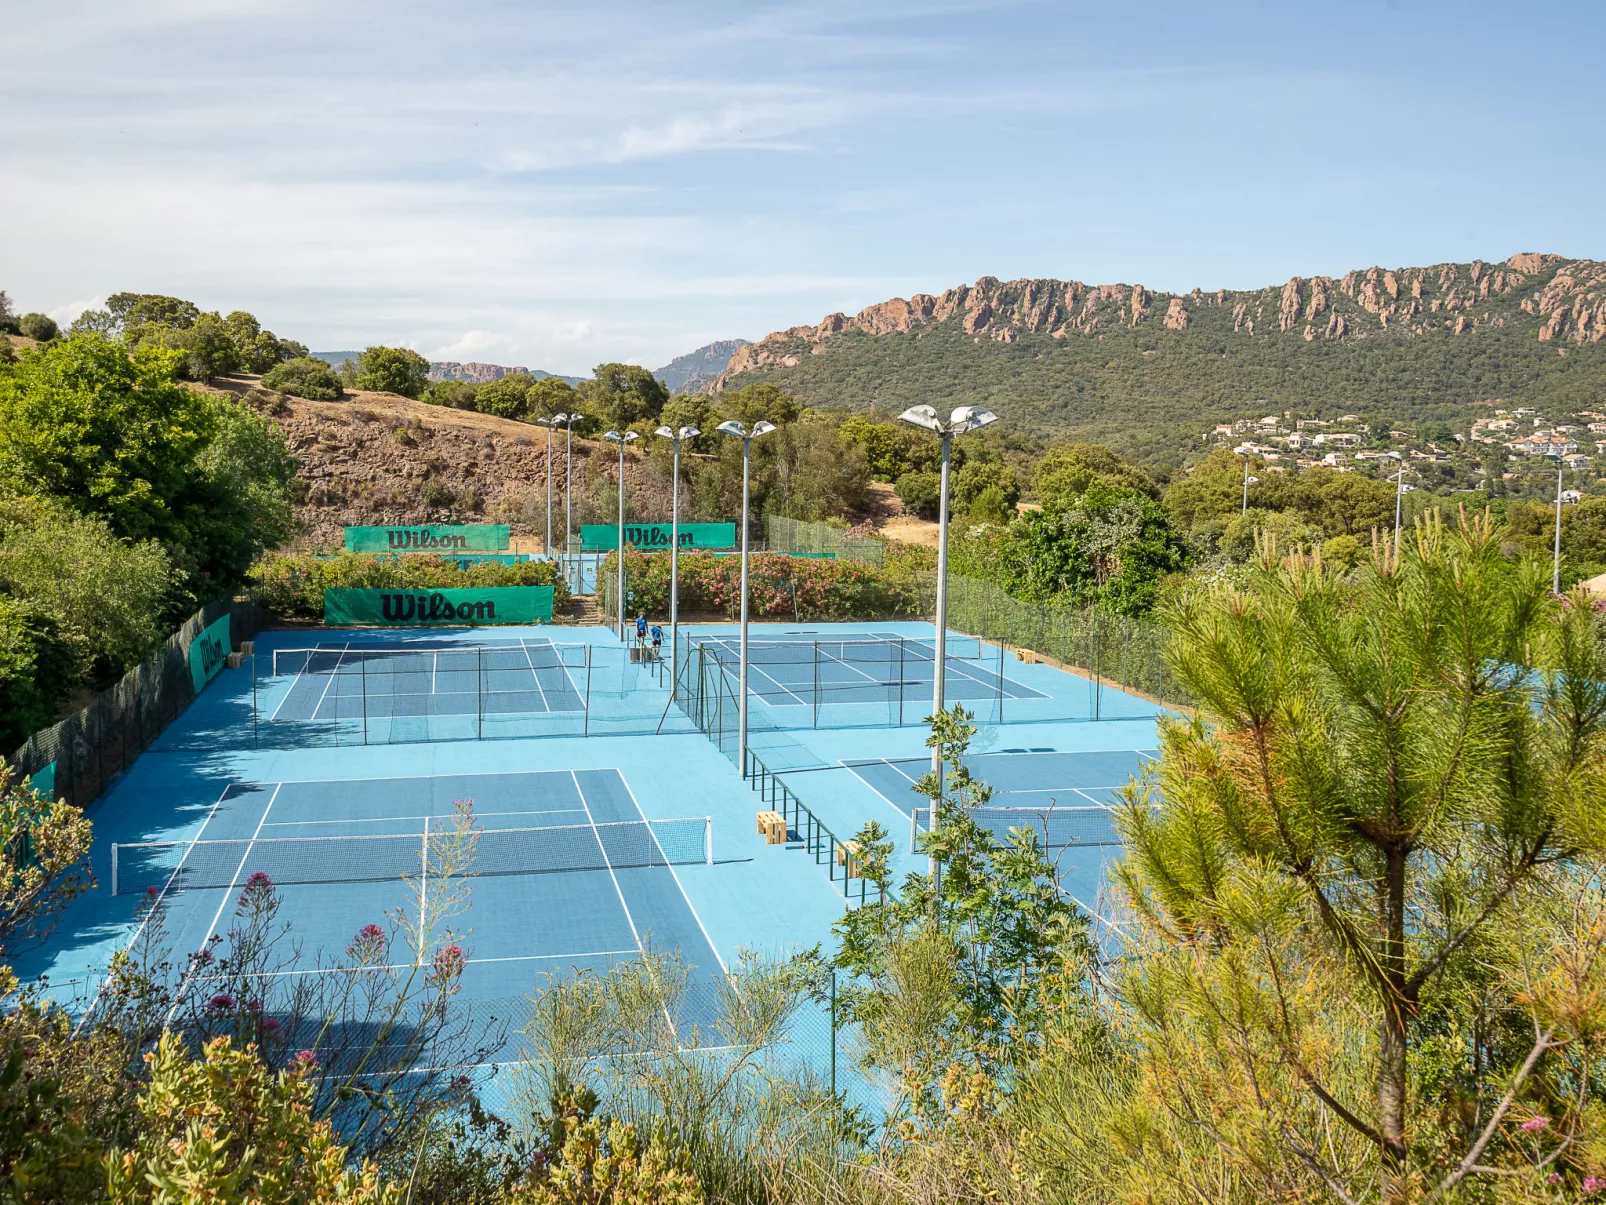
(446, 538)
(209, 651)
(422, 608)
(650, 537)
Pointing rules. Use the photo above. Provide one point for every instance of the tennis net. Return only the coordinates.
(180, 865)
(870, 651)
(1056, 826)
(428, 660)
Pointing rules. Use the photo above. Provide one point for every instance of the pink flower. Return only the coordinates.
(271, 1027)
(303, 1060)
(449, 961)
(221, 1002)
(258, 890)
(1534, 1124)
(369, 943)
(1593, 1184)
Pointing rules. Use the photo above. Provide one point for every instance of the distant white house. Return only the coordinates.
(1544, 445)
(1338, 439)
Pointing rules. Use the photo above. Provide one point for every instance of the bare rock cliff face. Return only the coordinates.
(1561, 299)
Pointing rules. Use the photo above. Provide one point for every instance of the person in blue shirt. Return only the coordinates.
(657, 641)
(641, 629)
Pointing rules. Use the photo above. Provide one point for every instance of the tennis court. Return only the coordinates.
(1067, 797)
(802, 670)
(564, 872)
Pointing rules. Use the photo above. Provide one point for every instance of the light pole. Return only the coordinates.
(568, 483)
(1555, 571)
(621, 440)
(736, 430)
(1399, 496)
(966, 418)
(549, 423)
(1248, 480)
(674, 553)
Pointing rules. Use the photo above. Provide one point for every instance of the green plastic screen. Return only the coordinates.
(419, 608)
(209, 652)
(446, 538)
(604, 537)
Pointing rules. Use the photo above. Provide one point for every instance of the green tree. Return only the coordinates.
(1344, 504)
(95, 322)
(1345, 879)
(753, 404)
(132, 310)
(110, 433)
(107, 597)
(549, 396)
(1291, 532)
(459, 395)
(1213, 490)
(1112, 546)
(305, 377)
(620, 395)
(889, 449)
(505, 397)
(1067, 471)
(209, 349)
(238, 504)
(991, 477)
(392, 370)
(37, 670)
(920, 493)
(38, 327)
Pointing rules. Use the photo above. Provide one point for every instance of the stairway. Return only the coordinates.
(583, 609)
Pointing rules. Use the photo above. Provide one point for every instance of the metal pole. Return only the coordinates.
(1555, 572)
(620, 550)
(568, 488)
(1399, 494)
(586, 729)
(942, 637)
(741, 707)
(1245, 509)
(674, 575)
(549, 489)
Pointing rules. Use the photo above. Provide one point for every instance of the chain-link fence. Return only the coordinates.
(75, 758)
(796, 535)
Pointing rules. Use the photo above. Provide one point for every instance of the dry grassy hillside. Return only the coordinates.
(377, 458)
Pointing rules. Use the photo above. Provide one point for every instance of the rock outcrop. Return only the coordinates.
(1557, 298)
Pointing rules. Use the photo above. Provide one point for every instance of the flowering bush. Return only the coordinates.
(292, 585)
(779, 586)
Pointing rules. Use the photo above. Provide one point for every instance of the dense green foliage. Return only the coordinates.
(208, 343)
(392, 370)
(37, 326)
(779, 587)
(292, 584)
(125, 499)
(305, 377)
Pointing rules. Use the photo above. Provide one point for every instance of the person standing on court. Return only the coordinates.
(641, 630)
(657, 642)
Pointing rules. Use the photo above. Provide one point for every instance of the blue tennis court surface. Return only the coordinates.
(335, 767)
(560, 899)
(802, 669)
(342, 681)
(1023, 779)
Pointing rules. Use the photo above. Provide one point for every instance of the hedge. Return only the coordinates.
(778, 587)
(292, 585)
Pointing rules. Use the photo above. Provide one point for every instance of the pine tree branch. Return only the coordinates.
(1413, 985)
(1469, 1164)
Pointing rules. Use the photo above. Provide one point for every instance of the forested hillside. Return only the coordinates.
(1145, 371)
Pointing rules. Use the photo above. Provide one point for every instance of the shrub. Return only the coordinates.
(436, 493)
(920, 493)
(778, 586)
(38, 326)
(304, 377)
(393, 370)
(292, 585)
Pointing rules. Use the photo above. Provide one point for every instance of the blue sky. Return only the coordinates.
(560, 185)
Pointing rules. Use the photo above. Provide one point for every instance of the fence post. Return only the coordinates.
(816, 698)
(833, 1034)
(479, 686)
(1000, 681)
(586, 730)
(363, 663)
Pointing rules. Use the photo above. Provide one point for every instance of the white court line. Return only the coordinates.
(151, 911)
(694, 913)
(772, 678)
(299, 674)
(620, 890)
(534, 677)
(408, 966)
(423, 816)
(178, 997)
(335, 673)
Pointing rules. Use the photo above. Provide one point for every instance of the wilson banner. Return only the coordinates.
(444, 539)
(208, 653)
(650, 537)
(421, 608)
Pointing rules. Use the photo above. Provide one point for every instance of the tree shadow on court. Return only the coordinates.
(381, 1024)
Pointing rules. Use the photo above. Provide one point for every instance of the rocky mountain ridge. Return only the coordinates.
(697, 371)
(1565, 298)
(1139, 368)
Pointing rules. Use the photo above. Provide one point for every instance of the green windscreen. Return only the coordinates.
(421, 608)
(445, 538)
(208, 653)
(648, 537)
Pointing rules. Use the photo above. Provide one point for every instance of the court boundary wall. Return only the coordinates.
(92, 746)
